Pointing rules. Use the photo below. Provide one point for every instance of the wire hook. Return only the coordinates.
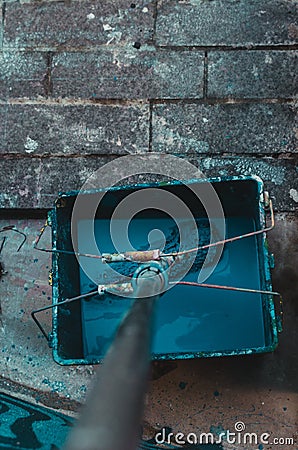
(12, 228)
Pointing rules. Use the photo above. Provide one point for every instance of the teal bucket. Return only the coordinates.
(190, 321)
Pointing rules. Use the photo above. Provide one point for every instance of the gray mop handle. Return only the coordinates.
(111, 417)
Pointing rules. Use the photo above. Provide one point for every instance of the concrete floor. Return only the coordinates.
(193, 396)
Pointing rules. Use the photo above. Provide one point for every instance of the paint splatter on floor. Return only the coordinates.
(27, 426)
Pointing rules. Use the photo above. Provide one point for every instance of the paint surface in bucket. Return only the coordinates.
(187, 319)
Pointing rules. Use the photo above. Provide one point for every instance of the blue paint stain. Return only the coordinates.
(28, 426)
(217, 430)
(206, 319)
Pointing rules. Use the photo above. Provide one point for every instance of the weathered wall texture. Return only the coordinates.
(213, 81)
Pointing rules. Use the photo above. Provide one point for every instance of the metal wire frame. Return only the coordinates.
(2, 270)
(186, 283)
(4, 239)
(45, 308)
(54, 250)
(225, 241)
(112, 288)
(2, 243)
(238, 289)
(162, 255)
(15, 230)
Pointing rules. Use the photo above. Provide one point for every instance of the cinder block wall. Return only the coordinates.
(83, 82)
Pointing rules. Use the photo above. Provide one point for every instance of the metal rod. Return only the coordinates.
(238, 289)
(2, 243)
(112, 415)
(54, 250)
(227, 288)
(44, 308)
(113, 257)
(225, 241)
(12, 228)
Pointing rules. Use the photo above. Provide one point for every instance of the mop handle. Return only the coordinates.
(112, 415)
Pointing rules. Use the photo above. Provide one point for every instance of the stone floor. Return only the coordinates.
(211, 81)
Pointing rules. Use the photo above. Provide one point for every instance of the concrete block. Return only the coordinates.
(252, 74)
(52, 25)
(129, 73)
(226, 22)
(224, 128)
(22, 74)
(87, 129)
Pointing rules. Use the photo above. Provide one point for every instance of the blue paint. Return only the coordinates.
(218, 430)
(24, 425)
(188, 319)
